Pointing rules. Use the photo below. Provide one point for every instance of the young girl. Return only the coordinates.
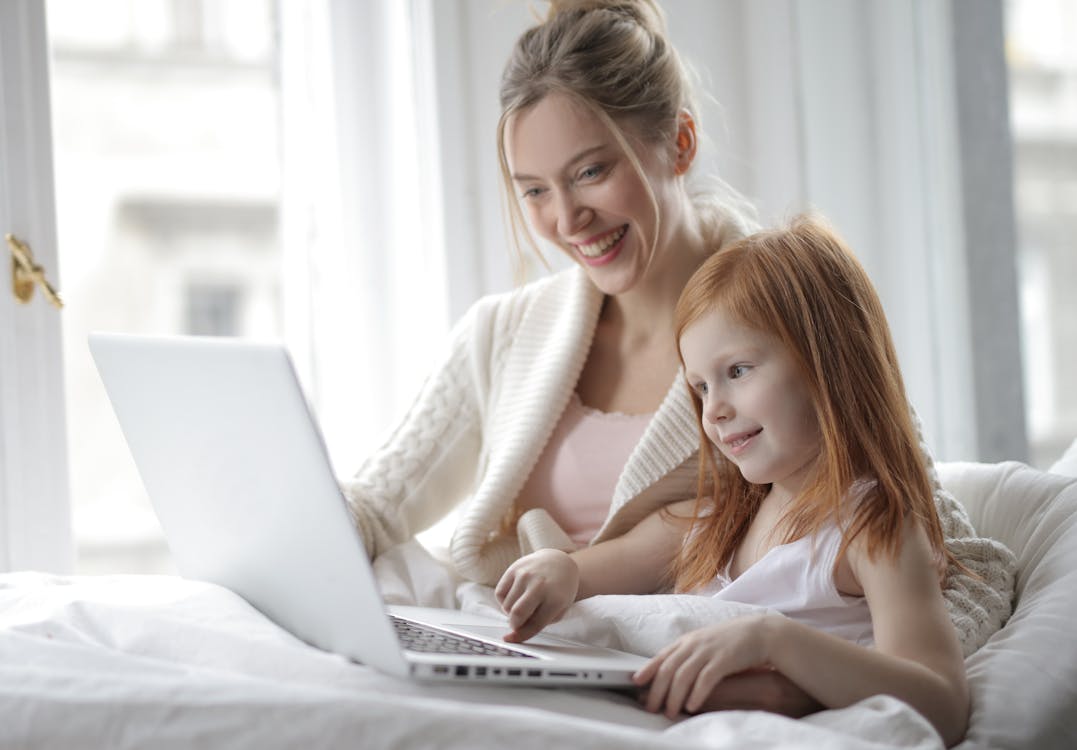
(814, 499)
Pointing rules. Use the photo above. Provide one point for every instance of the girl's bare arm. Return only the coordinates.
(537, 589)
(917, 656)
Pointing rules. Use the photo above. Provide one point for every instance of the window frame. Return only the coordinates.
(35, 517)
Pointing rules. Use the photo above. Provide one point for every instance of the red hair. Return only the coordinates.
(804, 287)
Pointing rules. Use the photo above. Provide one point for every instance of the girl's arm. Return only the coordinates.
(537, 589)
(916, 658)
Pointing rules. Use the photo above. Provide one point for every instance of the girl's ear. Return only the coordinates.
(686, 142)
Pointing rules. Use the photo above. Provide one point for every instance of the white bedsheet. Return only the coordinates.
(136, 661)
(148, 661)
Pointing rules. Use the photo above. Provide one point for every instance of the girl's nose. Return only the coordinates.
(716, 410)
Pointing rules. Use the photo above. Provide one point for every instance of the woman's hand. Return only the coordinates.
(683, 675)
(536, 590)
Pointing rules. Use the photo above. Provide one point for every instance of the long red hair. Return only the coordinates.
(803, 286)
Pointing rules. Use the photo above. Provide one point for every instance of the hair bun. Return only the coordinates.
(647, 13)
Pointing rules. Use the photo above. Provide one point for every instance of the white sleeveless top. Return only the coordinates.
(797, 580)
(578, 470)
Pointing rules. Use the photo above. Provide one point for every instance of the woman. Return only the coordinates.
(556, 418)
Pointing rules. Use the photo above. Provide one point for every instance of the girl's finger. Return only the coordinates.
(682, 682)
(540, 618)
(706, 681)
(524, 608)
(520, 586)
(646, 673)
(505, 584)
(662, 679)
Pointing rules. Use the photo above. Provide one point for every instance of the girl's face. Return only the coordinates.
(582, 194)
(756, 406)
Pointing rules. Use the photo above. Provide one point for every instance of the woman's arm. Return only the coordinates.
(429, 462)
(916, 658)
(537, 589)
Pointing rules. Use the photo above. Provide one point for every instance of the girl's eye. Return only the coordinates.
(701, 389)
(531, 193)
(737, 371)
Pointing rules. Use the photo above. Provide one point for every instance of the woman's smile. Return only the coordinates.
(585, 195)
(603, 248)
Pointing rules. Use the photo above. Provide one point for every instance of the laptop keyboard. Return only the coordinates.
(416, 637)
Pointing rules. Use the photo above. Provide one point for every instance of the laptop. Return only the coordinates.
(238, 475)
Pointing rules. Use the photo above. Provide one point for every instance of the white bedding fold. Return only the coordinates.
(135, 661)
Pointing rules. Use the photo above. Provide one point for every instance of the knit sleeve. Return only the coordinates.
(978, 604)
(429, 461)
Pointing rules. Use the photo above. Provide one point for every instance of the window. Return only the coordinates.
(212, 309)
(1042, 63)
(165, 125)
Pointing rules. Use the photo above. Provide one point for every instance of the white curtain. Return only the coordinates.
(869, 112)
(364, 270)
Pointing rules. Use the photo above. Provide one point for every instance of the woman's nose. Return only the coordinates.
(572, 216)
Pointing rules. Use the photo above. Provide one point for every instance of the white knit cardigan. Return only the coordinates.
(483, 417)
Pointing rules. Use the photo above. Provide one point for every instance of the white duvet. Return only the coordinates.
(153, 661)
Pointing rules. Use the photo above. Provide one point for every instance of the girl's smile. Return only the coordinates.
(738, 443)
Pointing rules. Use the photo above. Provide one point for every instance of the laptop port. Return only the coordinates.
(534, 673)
(480, 671)
(441, 669)
(461, 671)
(514, 672)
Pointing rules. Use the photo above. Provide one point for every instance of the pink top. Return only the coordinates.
(578, 470)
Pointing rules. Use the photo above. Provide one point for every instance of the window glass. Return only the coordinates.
(165, 126)
(1042, 59)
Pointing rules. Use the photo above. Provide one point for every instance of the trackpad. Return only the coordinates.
(497, 633)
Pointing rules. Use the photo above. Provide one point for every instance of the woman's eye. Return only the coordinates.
(533, 192)
(591, 172)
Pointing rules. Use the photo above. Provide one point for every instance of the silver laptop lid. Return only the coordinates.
(228, 450)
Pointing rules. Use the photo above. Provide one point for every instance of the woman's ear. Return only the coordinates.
(686, 142)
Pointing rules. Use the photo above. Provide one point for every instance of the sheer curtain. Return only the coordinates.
(364, 264)
(890, 118)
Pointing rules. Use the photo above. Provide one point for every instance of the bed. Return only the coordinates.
(135, 661)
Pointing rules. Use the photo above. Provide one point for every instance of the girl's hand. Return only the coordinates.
(683, 674)
(536, 590)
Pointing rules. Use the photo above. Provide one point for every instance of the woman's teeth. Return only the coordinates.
(595, 249)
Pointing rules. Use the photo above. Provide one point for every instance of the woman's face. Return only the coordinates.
(582, 193)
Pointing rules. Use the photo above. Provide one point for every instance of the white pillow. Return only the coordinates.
(1067, 465)
(1022, 680)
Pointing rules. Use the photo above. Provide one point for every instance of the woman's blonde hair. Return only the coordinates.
(613, 58)
(805, 288)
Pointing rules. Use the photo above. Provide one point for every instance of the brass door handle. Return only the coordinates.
(25, 273)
